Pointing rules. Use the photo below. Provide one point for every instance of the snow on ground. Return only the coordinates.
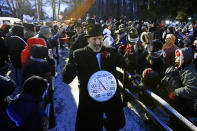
(66, 101)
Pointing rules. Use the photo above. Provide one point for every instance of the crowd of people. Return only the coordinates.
(163, 54)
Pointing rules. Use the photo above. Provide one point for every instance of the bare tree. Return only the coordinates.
(12, 7)
(17, 7)
(59, 6)
(38, 9)
(53, 3)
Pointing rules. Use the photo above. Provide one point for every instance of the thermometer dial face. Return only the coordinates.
(102, 86)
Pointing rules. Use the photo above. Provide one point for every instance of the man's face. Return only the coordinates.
(47, 35)
(78, 29)
(95, 43)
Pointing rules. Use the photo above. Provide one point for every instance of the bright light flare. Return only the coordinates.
(79, 11)
(177, 22)
(167, 22)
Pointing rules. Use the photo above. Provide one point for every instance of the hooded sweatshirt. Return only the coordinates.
(188, 75)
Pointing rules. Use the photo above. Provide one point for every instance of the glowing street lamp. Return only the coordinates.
(167, 22)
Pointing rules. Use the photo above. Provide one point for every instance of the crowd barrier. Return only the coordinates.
(128, 95)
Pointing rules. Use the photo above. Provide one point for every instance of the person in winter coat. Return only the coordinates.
(3, 49)
(169, 30)
(95, 65)
(121, 39)
(131, 50)
(25, 112)
(142, 50)
(80, 42)
(187, 79)
(169, 47)
(180, 83)
(187, 73)
(25, 54)
(45, 34)
(108, 39)
(15, 44)
(37, 64)
(79, 31)
(153, 70)
(146, 38)
(29, 31)
(7, 86)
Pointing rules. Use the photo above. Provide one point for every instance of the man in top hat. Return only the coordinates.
(78, 40)
(78, 31)
(99, 94)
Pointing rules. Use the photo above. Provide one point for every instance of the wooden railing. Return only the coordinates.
(127, 77)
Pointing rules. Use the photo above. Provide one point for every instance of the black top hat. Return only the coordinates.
(29, 27)
(94, 30)
(78, 24)
(90, 21)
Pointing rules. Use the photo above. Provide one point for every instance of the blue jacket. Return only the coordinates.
(24, 114)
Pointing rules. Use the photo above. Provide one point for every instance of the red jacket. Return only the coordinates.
(26, 52)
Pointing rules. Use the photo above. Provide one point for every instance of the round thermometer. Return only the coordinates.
(102, 86)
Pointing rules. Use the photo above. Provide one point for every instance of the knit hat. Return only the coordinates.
(44, 30)
(133, 37)
(39, 51)
(35, 41)
(35, 86)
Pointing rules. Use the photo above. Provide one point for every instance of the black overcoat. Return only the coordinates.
(90, 112)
